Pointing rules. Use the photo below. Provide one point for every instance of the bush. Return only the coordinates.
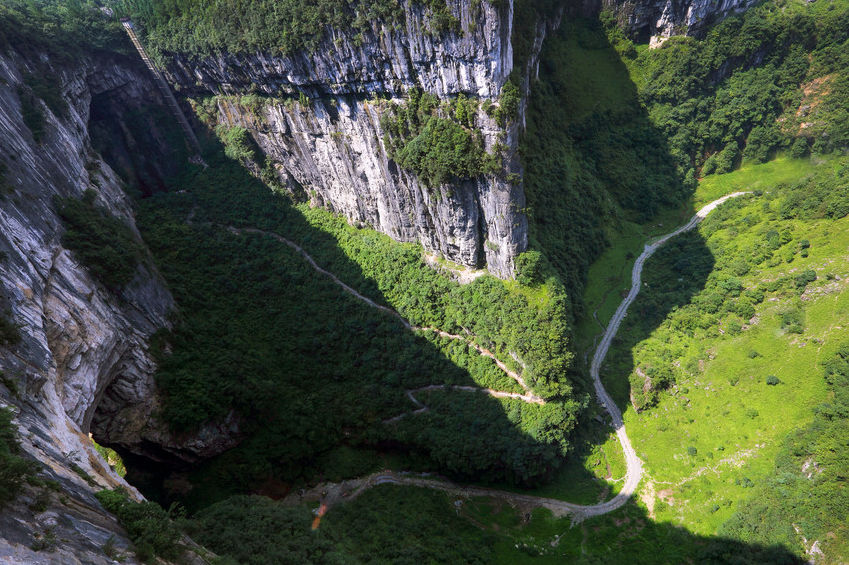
(32, 114)
(803, 279)
(238, 143)
(727, 158)
(792, 319)
(772, 380)
(149, 526)
(508, 102)
(799, 148)
(529, 268)
(761, 143)
(10, 333)
(436, 140)
(692, 451)
(14, 469)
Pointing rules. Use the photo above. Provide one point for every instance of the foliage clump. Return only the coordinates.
(238, 143)
(149, 526)
(437, 140)
(386, 524)
(308, 368)
(14, 469)
(759, 82)
(104, 244)
(65, 27)
(10, 333)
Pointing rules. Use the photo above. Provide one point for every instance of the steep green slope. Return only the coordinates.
(806, 496)
(732, 323)
(592, 157)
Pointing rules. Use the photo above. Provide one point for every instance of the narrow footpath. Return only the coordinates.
(332, 493)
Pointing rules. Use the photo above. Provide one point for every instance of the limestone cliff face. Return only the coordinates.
(80, 342)
(332, 148)
(656, 20)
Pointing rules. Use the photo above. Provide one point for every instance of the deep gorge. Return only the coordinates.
(463, 165)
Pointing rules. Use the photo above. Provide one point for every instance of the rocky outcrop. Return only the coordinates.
(656, 20)
(332, 147)
(78, 339)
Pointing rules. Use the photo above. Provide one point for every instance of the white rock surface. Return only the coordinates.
(334, 148)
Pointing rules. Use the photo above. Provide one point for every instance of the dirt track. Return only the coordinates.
(333, 493)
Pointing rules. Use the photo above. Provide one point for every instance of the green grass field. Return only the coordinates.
(717, 432)
(751, 177)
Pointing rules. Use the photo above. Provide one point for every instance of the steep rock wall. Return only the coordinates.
(80, 343)
(333, 147)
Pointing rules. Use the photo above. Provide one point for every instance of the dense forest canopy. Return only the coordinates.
(202, 27)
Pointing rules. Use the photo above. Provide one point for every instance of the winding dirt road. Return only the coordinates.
(633, 464)
(332, 493)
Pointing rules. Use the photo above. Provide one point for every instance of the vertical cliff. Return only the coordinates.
(80, 346)
(319, 125)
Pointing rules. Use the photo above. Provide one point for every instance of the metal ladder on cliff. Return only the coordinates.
(166, 92)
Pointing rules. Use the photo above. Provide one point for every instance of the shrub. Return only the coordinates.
(238, 143)
(772, 380)
(761, 143)
(32, 114)
(13, 469)
(803, 279)
(792, 319)
(692, 451)
(727, 158)
(508, 103)
(799, 148)
(9, 332)
(149, 526)
(436, 139)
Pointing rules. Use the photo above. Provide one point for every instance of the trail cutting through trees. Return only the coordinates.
(333, 493)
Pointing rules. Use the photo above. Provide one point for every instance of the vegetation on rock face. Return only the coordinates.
(10, 333)
(65, 27)
(13, 469)
(437, 140)
(201, 27)
(150, 527)
(105, 245)
(587, 167)
(311, 370)
(238, 143)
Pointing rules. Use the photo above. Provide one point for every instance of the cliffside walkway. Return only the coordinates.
(333, 493)
(166, 93)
